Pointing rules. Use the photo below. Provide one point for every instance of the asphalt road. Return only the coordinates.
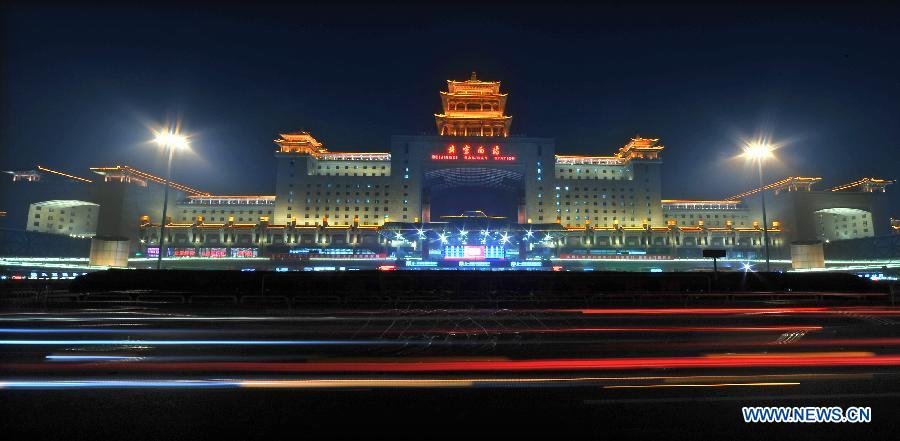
(169, 373)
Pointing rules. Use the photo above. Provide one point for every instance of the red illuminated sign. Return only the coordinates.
(472, 153)
(184, 252)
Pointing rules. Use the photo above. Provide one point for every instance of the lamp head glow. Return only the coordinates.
(169, 139)
(758, 151)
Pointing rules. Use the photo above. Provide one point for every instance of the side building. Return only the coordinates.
(70, 217)
(849, 211)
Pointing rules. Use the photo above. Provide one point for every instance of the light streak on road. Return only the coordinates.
(654, 386)
(204, 342)
(432, 382)
(786, 328)
(91, 357)
(629, 363)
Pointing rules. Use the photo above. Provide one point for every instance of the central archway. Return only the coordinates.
(451, 191)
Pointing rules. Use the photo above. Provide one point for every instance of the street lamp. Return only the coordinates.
(170, 142)
(759, 151)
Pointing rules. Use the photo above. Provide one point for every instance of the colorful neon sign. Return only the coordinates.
(468, 152)
(473, 252)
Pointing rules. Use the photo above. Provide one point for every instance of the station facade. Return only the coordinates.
(383, 203)
(472, 150)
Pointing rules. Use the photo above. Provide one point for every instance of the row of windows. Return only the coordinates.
(711, 216)
(596, 189)
(61, 211)
(38, 216)
(634, 222)
(609, 178)
(328, 193)
(50, 227)
(347, 167)
(352, 174)
(346, 208)
(588, 170)
(357, 186)
(230, 211)
(474, 107)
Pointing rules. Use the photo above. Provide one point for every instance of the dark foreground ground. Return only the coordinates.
(132, 371)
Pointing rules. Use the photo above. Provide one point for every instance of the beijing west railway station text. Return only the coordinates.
(474, 195)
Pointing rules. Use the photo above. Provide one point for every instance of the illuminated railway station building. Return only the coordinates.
(471, 150)
(547, 204)
(384, 202)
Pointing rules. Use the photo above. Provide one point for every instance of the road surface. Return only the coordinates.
(665, 372)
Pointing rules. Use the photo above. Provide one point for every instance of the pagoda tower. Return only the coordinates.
(473, 108)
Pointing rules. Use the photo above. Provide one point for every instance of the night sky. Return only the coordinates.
(82, 85)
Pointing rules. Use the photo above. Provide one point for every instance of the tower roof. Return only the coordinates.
(473, 108)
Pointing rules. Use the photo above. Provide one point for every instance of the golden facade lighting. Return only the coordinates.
(791, 183)
(640, 148)
(123, 172)
(588, 160)
(299, 142)
(473, 108)
(305, 144)
(254, 200)
(866, 185)
(65, 175)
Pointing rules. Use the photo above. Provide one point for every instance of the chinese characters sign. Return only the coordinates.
(472, 153)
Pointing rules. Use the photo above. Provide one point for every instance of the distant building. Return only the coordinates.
(21, 188)
(849, 211)
(68, 217)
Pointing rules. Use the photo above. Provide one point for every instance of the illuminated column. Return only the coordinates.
(424, 247)
(426, 206)
(522, 212)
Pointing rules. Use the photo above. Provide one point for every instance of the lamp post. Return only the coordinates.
(169, 141)
(759, 152)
